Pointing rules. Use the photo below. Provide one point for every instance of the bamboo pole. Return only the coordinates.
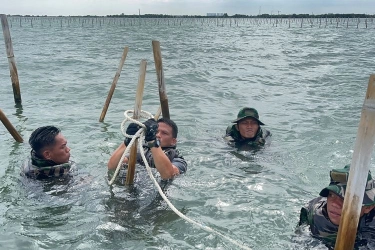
(157, 114)
(160, 76)
(10, 127)
(136, 115)
(113, 86)
(11, 60)
(360, 166)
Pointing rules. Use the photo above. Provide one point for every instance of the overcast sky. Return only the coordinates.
(184, 7)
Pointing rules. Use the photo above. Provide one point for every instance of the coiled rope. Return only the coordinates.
(140, 135)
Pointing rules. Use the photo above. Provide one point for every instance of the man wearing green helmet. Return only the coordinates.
(246, 130)
(323, 214)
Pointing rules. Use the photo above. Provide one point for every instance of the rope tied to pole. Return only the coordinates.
(140, 136)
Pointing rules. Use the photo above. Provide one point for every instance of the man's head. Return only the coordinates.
(167, 132)
(48, 143)
(248, 123)
(335, 194)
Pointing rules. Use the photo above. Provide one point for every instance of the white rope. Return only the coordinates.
(206, 228)
(140, 135)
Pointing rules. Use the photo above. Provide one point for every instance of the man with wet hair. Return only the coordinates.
(160, 148)
(323, 214)
(246, 130)
(49, 154)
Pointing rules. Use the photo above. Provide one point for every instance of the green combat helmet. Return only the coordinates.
(339, 179)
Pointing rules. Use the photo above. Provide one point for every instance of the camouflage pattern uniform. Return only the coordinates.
(233, 136)
(315, 213)
(39, 168)
(171, 152)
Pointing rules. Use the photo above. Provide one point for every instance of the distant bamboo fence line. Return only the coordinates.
(47, 21)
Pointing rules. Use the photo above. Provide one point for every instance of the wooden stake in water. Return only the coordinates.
(10, 127)
(161, 82)
(359, 168)
(11, 60)
(136, 115)
(113, 86)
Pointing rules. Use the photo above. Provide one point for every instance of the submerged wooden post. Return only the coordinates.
(136, 115)
(10, 127)
(11, 60)
(359, 168)
(113, 86)
(161, 82)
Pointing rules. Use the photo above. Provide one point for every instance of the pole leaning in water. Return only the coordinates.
(359, 168)
(160, 76)
(136, 115)
(113, 86)
(11, 60)
(10, 127)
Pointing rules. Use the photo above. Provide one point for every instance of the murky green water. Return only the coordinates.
(308, 85)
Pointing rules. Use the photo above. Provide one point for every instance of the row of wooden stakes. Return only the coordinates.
(361, 159)
(138, 99)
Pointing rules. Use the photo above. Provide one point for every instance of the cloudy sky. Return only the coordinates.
(184, 7)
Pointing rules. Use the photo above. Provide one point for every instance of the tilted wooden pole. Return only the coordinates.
(11, 60)
(359, 168)
(113, 86)
(157, 114)
(137, 111)
(160, 76)
(10, 127)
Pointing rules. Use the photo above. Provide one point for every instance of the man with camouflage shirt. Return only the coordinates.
(160, 151)
(49, 155)
(323, 214)
(247, 130)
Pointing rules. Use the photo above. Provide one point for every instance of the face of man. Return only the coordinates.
(165, 135)
(334, 208)
(59, 152)
(248, 127)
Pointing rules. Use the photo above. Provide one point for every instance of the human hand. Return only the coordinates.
(151, 129)
(131, 130)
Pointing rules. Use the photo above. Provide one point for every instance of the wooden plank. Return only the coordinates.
(160, 75)
(113, 86)
(10, 127)
(11, 60)
(359, 168)
(137, 112)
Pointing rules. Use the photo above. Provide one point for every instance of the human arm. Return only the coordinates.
(162, 163)
(116, 156)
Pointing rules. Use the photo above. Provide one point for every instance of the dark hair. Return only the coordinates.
(43, 137)
(170, 123)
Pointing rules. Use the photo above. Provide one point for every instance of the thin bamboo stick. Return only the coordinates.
(136, 115)
(113, 86)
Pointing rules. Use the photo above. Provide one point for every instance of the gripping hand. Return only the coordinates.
(131, 130)
(151, 129)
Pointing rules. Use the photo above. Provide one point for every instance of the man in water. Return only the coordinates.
(323, 214)
(49, 155)
(247, 130)
(160, 148)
